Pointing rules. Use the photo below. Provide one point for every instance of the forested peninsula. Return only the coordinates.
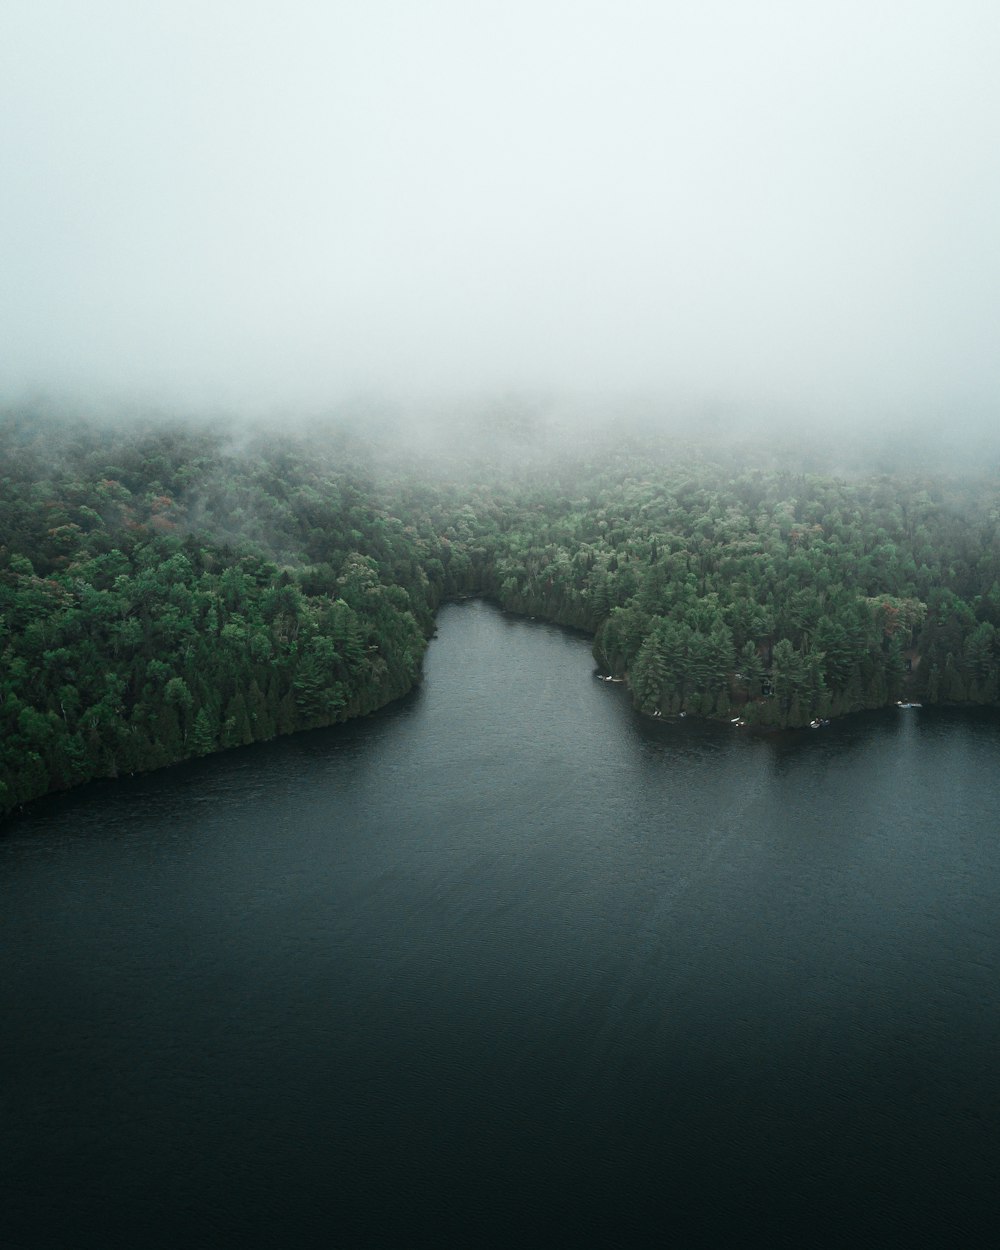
(168, 590)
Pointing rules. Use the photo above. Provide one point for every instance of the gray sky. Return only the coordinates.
(762, 205)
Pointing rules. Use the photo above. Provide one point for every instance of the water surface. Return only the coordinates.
(506, 964)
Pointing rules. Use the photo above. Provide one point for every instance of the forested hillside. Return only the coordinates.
(167, 591)
(718, 588)
(164, 594)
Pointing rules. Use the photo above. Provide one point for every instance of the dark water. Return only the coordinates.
(507, 965)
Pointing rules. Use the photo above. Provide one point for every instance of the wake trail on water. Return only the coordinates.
(611, 1043)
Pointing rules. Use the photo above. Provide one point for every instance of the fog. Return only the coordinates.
(726, 210)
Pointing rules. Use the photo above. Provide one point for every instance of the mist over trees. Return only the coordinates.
(171, 589)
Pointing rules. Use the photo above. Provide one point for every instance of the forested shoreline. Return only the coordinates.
(169, 590)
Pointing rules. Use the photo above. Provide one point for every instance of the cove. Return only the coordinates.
(508, 964)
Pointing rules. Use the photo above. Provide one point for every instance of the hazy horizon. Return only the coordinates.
(715, 212)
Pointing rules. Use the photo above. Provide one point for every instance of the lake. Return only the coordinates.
(508, 964)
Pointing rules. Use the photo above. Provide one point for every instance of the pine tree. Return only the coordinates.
(236, 730)
(203, 737)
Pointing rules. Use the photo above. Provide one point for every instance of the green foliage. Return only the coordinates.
(163, 596)
(133, 639)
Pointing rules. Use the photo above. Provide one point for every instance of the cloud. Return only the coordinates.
(752, 206)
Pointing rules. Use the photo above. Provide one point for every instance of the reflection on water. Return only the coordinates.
(508, 963)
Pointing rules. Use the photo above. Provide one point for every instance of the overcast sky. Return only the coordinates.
(759, 203)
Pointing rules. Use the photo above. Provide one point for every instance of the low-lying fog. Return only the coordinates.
(716, 211)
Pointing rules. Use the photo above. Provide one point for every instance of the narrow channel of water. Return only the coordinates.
(506, 964)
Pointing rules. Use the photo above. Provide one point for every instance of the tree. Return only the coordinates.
(203, 735)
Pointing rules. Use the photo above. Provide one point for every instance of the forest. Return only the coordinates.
(170, 589)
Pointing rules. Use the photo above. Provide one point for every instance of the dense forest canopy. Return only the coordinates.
(168, 590)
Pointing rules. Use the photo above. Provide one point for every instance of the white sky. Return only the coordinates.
(751, 203)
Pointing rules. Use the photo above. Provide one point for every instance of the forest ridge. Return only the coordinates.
(168, 591)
